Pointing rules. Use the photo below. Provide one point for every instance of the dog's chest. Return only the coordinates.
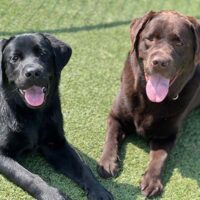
(25, 140)
(142, 122)
(31, 132)
(142, 119)
(151, 120)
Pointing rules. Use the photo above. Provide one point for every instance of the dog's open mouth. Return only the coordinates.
(34, 96)
(157, 87)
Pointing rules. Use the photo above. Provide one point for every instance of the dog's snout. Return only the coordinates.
(32, 72)
(160, 62)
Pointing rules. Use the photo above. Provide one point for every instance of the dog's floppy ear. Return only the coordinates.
(62, 51)
(2, 44)
(196, 30)
(137, 26)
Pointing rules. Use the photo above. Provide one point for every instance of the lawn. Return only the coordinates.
(98, 32)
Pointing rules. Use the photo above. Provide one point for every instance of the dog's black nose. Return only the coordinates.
(33, 73)
(160, 62)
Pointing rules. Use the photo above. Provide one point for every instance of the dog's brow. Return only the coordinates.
(174, 37)
(36, 47)
(16, 52)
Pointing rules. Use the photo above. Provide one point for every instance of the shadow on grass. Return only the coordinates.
(71, 29)
(36, 164)
(184, 157)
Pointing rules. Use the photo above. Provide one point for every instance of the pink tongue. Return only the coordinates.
(34, 96)
(157, 88)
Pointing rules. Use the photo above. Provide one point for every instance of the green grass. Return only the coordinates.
(98, 32)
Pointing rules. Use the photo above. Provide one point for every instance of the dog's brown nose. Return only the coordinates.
(160, 62)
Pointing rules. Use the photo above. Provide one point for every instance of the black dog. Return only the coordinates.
(31, 118)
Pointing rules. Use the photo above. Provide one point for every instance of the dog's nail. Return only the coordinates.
(142, 187)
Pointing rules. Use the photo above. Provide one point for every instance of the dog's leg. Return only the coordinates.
(151, 183)
(28, 181)
(108, 165)
(66, 160)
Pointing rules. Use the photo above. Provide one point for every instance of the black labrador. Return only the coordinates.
(31, 118)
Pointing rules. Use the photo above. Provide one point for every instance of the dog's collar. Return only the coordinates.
(173, 80)
(175, 98)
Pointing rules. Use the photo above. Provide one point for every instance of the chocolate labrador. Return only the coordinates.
(31, 118)
(160, 85)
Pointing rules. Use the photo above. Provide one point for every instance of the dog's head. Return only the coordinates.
(31, 66)
(167, 46)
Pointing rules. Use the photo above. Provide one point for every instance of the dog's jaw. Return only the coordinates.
(157, 87)
(34, 96)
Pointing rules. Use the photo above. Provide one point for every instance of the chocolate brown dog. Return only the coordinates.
(160, 85)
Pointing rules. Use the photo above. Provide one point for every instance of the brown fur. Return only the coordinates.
(173, 40)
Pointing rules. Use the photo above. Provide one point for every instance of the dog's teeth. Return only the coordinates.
(21, 91)
(44, 89)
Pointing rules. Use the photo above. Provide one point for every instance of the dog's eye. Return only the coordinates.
(179, 43)
(42, 53)
(150, 39)
(15, 58)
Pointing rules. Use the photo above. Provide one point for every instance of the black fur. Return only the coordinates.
(36, 60)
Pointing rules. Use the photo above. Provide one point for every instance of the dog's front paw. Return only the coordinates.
(107, 168)
(151, 185)
(100, 194)
(52, 194)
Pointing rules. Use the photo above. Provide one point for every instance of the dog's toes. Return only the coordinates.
(101, 194)
(151, 186)
(107, 169)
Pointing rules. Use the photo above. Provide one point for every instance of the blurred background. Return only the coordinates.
(98, 32)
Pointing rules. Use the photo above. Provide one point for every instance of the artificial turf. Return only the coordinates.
(98, 32)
